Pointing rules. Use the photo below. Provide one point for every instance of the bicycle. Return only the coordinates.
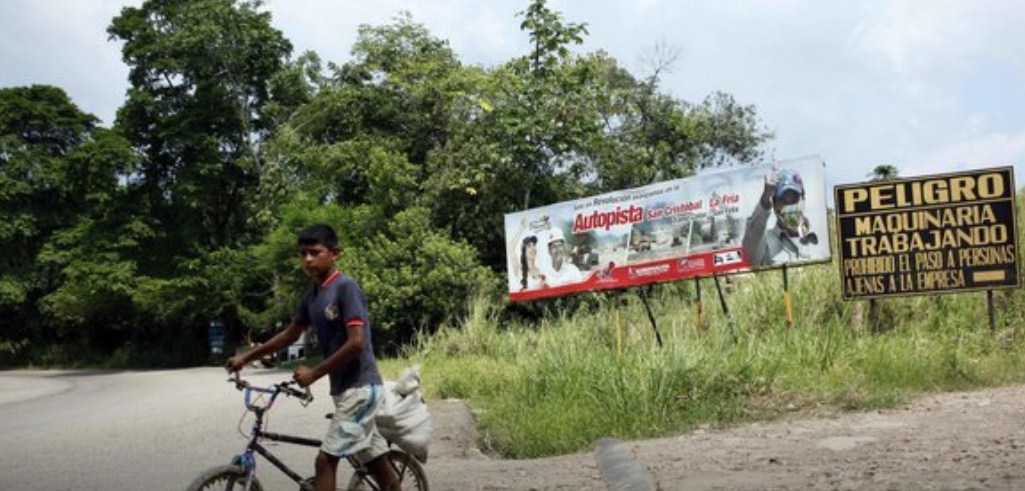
(240, 474)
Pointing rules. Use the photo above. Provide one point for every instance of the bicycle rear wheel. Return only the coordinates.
(411, 474)
(225, 477)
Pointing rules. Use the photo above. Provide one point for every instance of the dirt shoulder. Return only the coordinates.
(969, 440)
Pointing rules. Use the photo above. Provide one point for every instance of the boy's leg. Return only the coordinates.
(383, 473)
(375, 457)
(353, 432)
(326, 467)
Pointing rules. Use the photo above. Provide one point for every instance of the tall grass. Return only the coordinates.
(558, 385)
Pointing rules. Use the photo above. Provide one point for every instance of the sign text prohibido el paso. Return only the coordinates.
(930, 234)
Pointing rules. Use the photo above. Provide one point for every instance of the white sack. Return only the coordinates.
(403, 417)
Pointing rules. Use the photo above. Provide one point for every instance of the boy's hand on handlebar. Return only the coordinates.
(304, 376)
(235, 363)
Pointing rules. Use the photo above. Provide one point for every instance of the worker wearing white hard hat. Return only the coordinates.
(561, 271)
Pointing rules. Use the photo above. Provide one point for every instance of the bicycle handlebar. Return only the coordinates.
(304, 395)
(287, 387)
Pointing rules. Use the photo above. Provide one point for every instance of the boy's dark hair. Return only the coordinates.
(319, 234)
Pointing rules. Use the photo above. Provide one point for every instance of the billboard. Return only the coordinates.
(928, 234)
(733, 220)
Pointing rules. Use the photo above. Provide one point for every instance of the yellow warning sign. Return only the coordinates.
(940, 233)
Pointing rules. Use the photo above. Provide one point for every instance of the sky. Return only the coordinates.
(928, 86)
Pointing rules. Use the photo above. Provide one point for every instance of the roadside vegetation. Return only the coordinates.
(124, 244)
(557, 385)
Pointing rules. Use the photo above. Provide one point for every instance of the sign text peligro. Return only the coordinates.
(939, 233)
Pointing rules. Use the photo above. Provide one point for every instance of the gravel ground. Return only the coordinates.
(156, 430)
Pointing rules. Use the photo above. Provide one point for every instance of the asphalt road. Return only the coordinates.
(157, 430)
(152, 430)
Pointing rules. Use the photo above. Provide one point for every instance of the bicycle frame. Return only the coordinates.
(247, 460)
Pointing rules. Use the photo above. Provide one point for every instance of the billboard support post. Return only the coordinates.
(725, 309)
(786, 298)
(651, 317)
(873, 315)
(989, 304)
(697, 290)
(619, 327)
(722, 298)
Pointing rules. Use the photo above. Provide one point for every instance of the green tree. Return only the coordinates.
(95, 253)
(186, 211)
(517, 138)
(39, 126)
(64, 224)
(884, 172)
(404, 125)
(295, 84)
(199, 73)
(356, 156)
(415, 277)
(549, 36)
(199, 109)
(552, 126)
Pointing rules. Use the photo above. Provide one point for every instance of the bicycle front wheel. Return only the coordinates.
(411, 474)
(226, 478)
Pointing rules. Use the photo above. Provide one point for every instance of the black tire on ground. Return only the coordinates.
(411, 474)
(225, 477)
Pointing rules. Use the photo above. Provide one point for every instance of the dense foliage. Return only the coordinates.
(121, 244)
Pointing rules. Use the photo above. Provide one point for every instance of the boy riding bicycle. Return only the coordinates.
(336, 307)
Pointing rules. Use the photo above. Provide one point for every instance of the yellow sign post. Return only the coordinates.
(942, 233)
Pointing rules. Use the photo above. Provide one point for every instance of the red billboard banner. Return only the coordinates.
(734, 220)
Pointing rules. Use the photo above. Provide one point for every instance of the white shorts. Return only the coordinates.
(353, 430)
